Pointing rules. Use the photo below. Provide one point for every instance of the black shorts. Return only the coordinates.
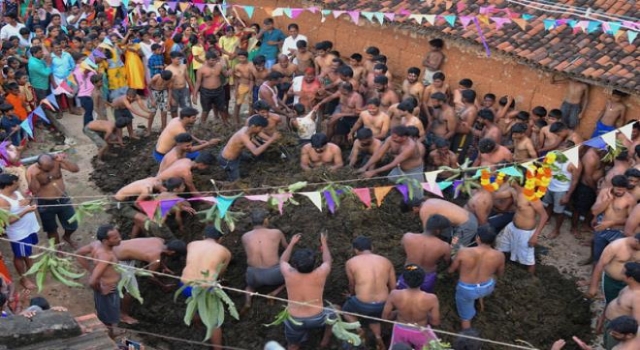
(345, 124)
(213, 98)
(122, 113)
(583, 198)
(107, 307)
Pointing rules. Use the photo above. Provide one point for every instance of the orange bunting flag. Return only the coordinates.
(522, 23)
(364, 195)
(149, 207)
(184, 6)
(381, 192)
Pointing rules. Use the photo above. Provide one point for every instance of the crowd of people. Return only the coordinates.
(340, 106)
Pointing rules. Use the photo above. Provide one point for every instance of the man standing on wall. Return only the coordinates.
(433, 61)
(575, 101)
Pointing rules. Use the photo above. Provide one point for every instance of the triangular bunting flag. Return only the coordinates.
(314, 197)
(258, 197)
(549, 24)
(379, 17)
(149, 207)
(431, 176)
(483, 18)
(572, 23)
(279, 11)
(296, 12)
(337, 13)
(381, 192)
(444, 185)
(511, 171)
(27, 128)
(184, 6)
(431, 19)
(224, 203)
(249, 10)
(213, 6)
(52, 99)
(614, 27)
(355, 16)
(281, 198)
(448, 4)
(627, 130)
(528, 164)
(167, 204)
(573, 154)
(390, 16)
(367, 15)
(287, 12)
(158, 4)
(522, 23)
(610, 138)
(206, 199)
(364, 195)
(451, 19)
(331, 204)
(40, 113)
(313, 9)
(404, 189)
(527, 17)
(457, 184)
(499, 21)
(418, 18)
(201, 7)
(432, 188)
(172, 5)
(593, 26)
(632, 36)
(465, 20)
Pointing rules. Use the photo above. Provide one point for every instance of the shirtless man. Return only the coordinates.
(412, 306)
(466, 118)
(523, 148)
(463, 85)
(426, 250)
(273, 121)
(261, 246)
(229, 158)
(433, 61)
(547, 140)
(620, 165)
(444, 113)
(479, 266)
(126, 202)
(565, 134)
(359, 71)
(521, 236)
(408, 118)
(161, 98)
(167, 140)
(305, 287)
(259, 72)
(319, 153)
(183, 148)
(626, 304)
(480, 204)
(364, 147)
(346, 75)
(48, 187)
(288, 71)
(347, 112)
(123, 108)
(611, 267)
(110, 131)
(407, 161)
(489, 129)
(371, 278)
(183, 168)
(491, 153)
(575, 101)
(209, 85)
(464, 223)
(104, 278)
(323, 58)
(585, 193)
(613, 114)
(268, 92)
(615, 203)
(207, 260)
(631, 143)
(373, 119)
(242, 72)
(411, 86)
(181, 83)
(438, 85)
(304, 58)
(441, 156)
(382, 91)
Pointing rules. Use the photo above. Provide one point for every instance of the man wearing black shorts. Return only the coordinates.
(209, 83)
(47, 185)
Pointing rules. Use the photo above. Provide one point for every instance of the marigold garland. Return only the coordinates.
(489, 184)
(538, 179)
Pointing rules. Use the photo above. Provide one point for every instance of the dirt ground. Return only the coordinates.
(536, 310)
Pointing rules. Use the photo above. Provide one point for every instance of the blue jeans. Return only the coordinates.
(87, 104)
(231, 167)
(466, 295)
(602, 239)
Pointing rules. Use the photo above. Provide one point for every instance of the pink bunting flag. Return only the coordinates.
(172, 5)
(465, 20)
(313, 9)
(355, 16)
(364, 195)
(338, 13)
(206, 199)
(433, 188)
(149, 207)
(499, 21)
(281, 198)
(296, 12)
(167, 204)
(200, 7)
(390, 16)
(258, 197)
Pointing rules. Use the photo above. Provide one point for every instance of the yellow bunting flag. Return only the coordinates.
(381, 192)
(158, 4)
(184, 6)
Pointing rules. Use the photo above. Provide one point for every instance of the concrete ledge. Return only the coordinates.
(48, 325)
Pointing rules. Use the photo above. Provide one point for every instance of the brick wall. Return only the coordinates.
(405, 48)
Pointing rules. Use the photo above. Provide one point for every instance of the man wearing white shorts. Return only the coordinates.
(520, 237)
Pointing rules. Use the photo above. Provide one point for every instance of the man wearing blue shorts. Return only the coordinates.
(23, 227)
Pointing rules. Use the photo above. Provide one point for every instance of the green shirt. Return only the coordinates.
(39, 73)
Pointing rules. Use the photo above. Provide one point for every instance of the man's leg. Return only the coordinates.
(65, 213)
(22, 262)
(216, 338)
(125, 308)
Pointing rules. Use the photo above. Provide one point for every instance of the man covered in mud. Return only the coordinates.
(371, 278)
(364, 147)
(626, 304)
(464, 223)
(183, 168)
(229, 158)
(412, 306)
(104, 277)
(127, 199)
(123, 107)
(183, 148)
(319, 153)
(47, 185)
(167, 140)
(305, 287)
(207, 260)
(426, 250)
(263, 261)
(478, 267)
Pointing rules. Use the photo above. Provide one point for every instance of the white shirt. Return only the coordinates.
(8, 31)
(26, 225)
(290, 43)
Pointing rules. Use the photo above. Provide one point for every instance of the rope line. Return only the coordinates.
(192, 342)
(215, 284)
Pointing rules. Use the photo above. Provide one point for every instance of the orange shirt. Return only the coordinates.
(16, 101)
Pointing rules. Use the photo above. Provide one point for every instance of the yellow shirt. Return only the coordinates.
(197, 51)
(229, 44)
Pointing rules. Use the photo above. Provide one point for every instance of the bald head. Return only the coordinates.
(45, 162)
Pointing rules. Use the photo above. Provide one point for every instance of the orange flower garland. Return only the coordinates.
(487, 184)
(538, 179)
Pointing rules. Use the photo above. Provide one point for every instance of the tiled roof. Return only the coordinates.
(595, 57)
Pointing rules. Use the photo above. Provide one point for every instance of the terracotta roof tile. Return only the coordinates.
(598, 57)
